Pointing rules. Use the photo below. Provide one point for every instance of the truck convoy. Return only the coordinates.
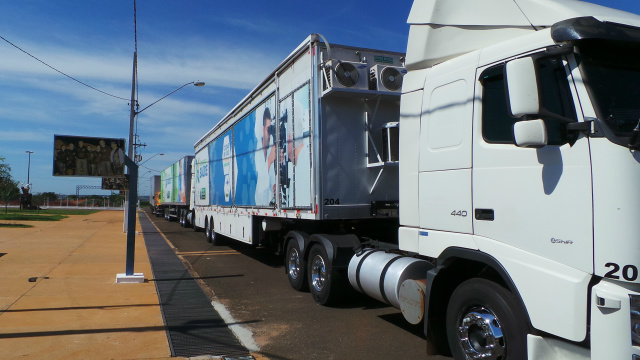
(485, 183)
(174, 191)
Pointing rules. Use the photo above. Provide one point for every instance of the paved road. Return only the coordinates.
(287, 324)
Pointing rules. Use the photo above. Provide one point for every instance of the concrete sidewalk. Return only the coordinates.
(74, 309)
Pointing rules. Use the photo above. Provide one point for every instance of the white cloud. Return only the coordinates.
(25, 136)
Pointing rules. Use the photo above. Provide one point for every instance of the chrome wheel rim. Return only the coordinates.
(294, 264)
(481, 336)
(318, 273)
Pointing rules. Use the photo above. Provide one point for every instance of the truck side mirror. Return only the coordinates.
(530, 133)
(522, 87)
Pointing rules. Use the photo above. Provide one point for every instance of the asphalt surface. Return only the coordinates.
(287, 324)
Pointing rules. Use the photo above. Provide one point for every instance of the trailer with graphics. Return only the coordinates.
(307, 160)
(489, 192)
(155, 195)
(175, 191)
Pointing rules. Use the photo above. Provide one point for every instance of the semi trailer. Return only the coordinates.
(155, 195)
(485, 183)
(175, 191)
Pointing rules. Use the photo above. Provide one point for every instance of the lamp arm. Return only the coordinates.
(153, 103)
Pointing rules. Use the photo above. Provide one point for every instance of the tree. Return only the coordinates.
(8, 188)
(42, 198)
(51, 196)
(116, 199)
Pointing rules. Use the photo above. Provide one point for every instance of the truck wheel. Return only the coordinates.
(325, 284)
(214, 237)
(181, 218)
(296, 266)
(187, 215)
(484, 321)
(193, 223)
(207, 230)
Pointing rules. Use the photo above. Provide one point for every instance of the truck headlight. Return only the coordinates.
(635, 319)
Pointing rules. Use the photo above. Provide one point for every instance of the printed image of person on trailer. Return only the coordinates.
(294, 126)
(265, 159)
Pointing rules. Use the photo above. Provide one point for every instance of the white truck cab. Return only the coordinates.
(520, 160)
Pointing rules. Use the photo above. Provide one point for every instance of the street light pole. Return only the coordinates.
(130, 204)
(132, 113)
(29, 167)
(132, 171)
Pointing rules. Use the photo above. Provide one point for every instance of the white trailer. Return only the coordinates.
(513, 160)
(175, 191)
(308, 157)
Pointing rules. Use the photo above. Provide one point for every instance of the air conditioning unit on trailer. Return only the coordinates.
(386, 78)
(345, 75)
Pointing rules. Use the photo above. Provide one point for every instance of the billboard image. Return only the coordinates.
(88, 156)
(115, 183)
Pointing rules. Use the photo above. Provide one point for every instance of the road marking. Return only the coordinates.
(211, 252)
(243, 334)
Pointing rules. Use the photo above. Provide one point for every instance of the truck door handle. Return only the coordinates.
(484, 214)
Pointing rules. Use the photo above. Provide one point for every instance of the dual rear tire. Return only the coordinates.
(210, 233)
(325, 284)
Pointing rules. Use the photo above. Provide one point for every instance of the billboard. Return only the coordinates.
(115, 183)
(88, 156)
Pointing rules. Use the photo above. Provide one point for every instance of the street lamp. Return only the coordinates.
(132, 171)
(161, 154)
(195, 83)
(29, 168)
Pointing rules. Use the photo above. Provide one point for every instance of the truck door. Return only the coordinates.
(535, 199)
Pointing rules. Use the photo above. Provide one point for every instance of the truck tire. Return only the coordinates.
(193, 223)
(325, 284)
(207, 229)
(296, 266)
(181, 218)
(212, 237)
(484, 321)
(215, 239)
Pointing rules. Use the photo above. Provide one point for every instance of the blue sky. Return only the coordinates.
(230, 45)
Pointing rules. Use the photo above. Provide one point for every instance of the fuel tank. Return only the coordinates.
(380, 274)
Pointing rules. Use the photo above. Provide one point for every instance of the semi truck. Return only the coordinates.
(155, 195)
(175, 191)
(485, 183)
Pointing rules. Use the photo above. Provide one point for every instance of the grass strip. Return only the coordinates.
(42, 215)
(7, 225)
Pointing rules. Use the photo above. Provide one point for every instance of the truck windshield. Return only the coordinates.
(612, 74)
